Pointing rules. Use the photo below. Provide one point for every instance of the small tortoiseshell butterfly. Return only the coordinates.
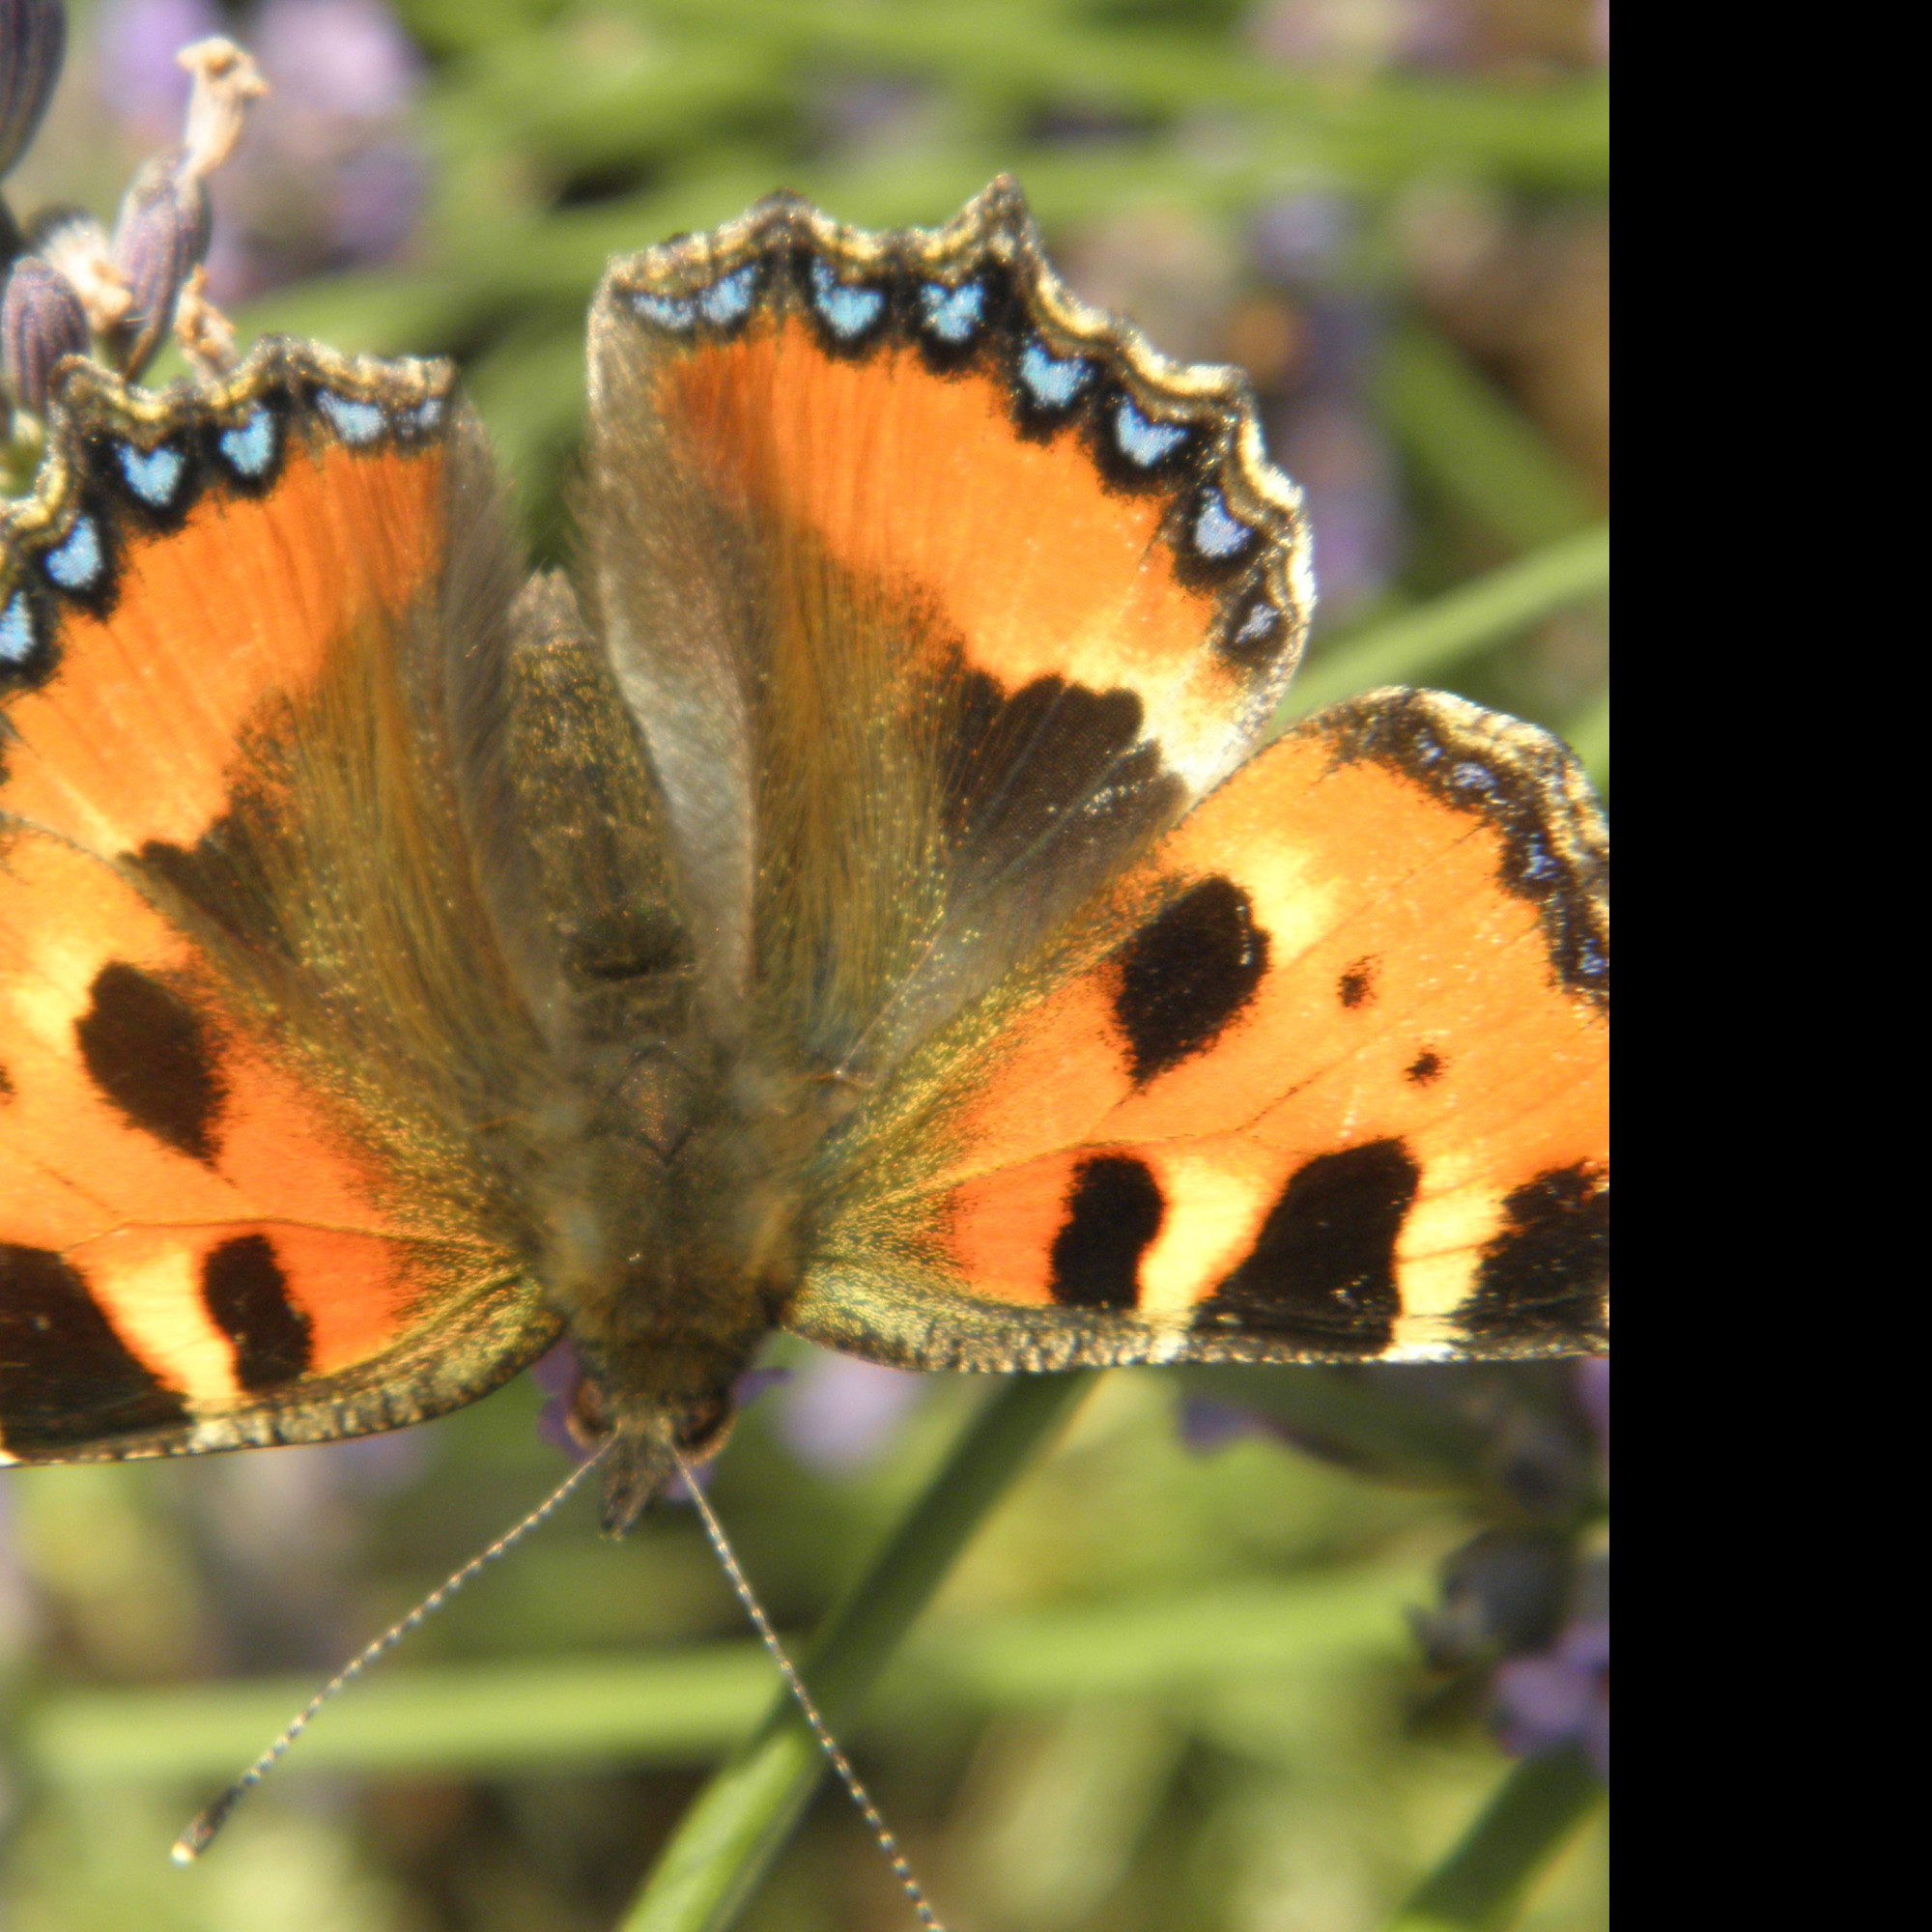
(851, 899)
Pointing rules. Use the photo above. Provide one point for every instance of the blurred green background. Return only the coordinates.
(1194, 1675)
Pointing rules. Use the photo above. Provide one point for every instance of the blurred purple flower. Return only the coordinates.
(334, 61)
(558, 1373)
(374, 198)
(328, 176)
(1366, 33)
(1593, 1394)
(842, 1413)
(1207, 1426)
(137, 73)
(1333, 448)
(1560, 1696)
(1296, 235)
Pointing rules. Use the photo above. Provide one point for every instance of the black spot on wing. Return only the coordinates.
(1321, 1271)
(150, 1053)
(1187, 974)
(66, 1376)
(1113, 1210)
(1545, 1276)
(1051, 783)
(5, 1083)
(1426, 1066)
(1356, 986)
(246, 1296)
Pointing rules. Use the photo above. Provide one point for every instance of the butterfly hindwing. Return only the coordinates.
(1324, 1077)
(230, 845)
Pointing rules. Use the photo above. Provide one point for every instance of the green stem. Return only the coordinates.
(1539, 1807)
(1422, 642)
(1474, 444)
(707, 1873)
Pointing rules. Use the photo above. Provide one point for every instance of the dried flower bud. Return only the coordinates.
(71, 241)
(226, 80)
(40, 320)
(160, 239)
(33, 43)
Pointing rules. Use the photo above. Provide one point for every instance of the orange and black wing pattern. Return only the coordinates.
(1326, 1077)
(224, 857)
(936, 594)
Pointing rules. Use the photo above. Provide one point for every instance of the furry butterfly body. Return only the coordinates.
(850, 900)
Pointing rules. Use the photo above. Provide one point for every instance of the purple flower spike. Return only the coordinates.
(843, 1412)
(40, 321)
(559, 1374)
(160, 239)
(1560, 1696)
(33, 45)
(345, 60)
(141, 81)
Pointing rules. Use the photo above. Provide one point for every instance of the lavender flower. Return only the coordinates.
(1560, 1695)
(33, 45)
(843, 1413)
(137, 74)
(41, 320)
(160, 239)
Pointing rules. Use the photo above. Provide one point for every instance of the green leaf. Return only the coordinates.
(1423, 642)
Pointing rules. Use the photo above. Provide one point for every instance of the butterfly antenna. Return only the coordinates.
(914, 1894)
(200, 1835)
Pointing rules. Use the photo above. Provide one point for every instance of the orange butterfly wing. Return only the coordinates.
(1335, 1085)
(934, 592)
(207, 1229)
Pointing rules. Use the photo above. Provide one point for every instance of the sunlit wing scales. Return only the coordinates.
(855, 901)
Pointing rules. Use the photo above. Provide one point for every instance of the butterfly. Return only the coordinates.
(856, 897)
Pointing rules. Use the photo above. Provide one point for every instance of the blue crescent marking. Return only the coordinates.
(355, 423)
(78, 561)
(1142, 442)
(848, 311)
(250, 448)
(1259, 622)
(1538, 865)
(729, 300)
(17, 636)
(1216, 532)
(153, 475)
(427, 413)
(1053, 380)
(1469, 776)
(953, 314)
(678, 312)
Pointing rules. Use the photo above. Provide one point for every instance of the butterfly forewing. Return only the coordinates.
(976, 594)
(228, 842)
